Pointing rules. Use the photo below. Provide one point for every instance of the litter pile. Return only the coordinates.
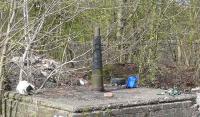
(39, 69)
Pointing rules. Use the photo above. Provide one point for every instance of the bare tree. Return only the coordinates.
(6, 41)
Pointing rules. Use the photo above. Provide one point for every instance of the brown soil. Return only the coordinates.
(182, 77)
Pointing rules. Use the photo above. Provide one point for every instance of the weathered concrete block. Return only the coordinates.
(15, 105)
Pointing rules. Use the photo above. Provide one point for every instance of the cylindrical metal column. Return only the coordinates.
(97, 80)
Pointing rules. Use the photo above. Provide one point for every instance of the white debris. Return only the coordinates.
(24, 87)
(43, 65)
(44, 73)
(19, 60)
(58, 116)
(83, 81)
(16, 60)
(108, 94)
(49, 64)
(197, 89)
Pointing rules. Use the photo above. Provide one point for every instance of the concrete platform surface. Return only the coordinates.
(83, 100)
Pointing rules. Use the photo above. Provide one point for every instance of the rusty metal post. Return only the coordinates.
(97, 79)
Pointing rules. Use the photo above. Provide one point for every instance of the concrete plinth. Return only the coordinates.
(140, 102)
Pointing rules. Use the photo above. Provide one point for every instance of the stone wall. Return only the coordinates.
(18, 106)
(15, 105)
(175, 109)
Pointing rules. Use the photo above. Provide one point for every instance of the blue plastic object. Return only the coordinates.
(132, 82)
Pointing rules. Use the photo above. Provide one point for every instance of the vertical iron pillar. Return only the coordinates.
(97, 79)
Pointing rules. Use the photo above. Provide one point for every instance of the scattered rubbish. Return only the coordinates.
(58, 116)
(173, 91)
(44, 73)
(131, 67)
(132, 82)
(196, 89)
(118, 81)
(107, 85)
(83, 81)
(16, 60)
(108, 94)
(32, 60)
(39, 68)
(123, 86)
(162, 93)
(25, 88)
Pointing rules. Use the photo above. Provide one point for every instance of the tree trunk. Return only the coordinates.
(5, 48)
(5, 42)
(121, 20)
(179, 53)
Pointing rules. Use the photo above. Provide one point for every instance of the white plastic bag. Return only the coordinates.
(24, 87)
